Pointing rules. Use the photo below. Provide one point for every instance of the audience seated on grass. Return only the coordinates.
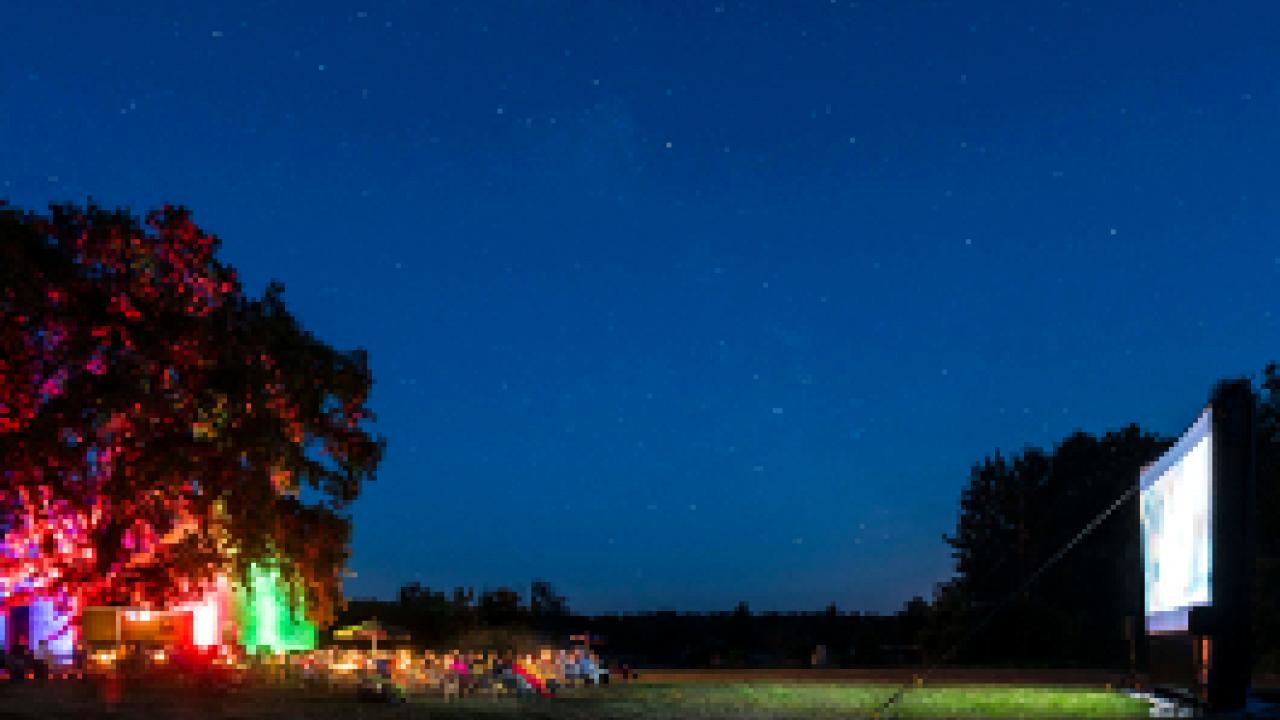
(453, 674)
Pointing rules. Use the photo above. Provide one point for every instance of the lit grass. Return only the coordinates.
(821, 700)
(638, 701)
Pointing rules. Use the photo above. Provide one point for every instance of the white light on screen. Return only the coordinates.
(1176, 518)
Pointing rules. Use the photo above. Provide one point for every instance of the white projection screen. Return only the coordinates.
(1176, 511)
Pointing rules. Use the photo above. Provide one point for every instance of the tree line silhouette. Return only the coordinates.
(500, 619)
(1015, 512)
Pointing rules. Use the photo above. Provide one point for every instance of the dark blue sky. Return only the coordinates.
(680, 304)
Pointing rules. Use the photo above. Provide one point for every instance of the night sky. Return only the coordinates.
(681, 304)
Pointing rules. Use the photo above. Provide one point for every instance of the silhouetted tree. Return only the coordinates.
(547, 610)
(1015, 514)
(500, 607)
(1267, 576)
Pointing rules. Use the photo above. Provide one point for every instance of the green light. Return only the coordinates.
(268, 621)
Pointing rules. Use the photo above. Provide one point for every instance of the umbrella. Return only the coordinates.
(372, 630)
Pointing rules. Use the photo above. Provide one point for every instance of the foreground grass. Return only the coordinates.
(774, 699)
(701, 701)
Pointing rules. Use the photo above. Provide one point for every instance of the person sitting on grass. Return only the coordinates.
(452, 684)
(17, 662)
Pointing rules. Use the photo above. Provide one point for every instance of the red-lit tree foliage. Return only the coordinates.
(157, 425)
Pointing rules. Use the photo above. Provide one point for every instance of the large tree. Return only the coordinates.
(1018, 512)
(1267, 589)
(158, 425)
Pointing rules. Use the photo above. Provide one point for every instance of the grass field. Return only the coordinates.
(775, 699)
(700, 701)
